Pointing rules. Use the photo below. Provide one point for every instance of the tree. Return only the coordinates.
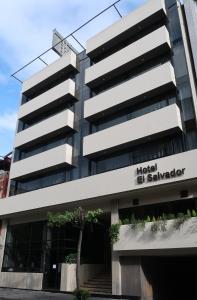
(78, 217)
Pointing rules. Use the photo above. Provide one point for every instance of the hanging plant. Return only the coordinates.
(114, 232)
(180, 220)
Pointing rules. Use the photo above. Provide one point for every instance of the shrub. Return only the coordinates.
(114, 232)
(81, 294)
(148, 219)
(125, 221)
(171, 216)
(71, 258)
(181, 219)
(189, 213)
(155, 227)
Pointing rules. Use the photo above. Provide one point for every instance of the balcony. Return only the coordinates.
(43, 162)
(107, 186)
(64, 65)
(149, 84)
(59, 123)
(147, 48)
(152, 125)
(62, 93)
(145, 240)
(131, 25)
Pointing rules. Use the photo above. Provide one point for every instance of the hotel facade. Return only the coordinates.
(112, 127)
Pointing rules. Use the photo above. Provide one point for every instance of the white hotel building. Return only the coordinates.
(113, 127)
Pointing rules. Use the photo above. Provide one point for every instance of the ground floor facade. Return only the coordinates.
(154, 256)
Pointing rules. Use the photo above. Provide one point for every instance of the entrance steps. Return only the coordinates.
(100, 284)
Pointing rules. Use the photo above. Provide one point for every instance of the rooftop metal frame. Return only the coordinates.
(113, 6)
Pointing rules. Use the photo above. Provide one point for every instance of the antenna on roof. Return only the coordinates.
(60, 45)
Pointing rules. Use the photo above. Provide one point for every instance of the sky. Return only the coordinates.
(26, 31)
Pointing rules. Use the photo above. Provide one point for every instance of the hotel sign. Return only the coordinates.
(151, 174)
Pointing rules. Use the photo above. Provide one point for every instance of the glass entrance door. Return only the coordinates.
(58, 244)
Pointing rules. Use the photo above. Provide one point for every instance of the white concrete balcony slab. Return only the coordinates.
(52, 98)
(132, 24)
(42, 162)
(138, 130)
(146, 240)
(51, 73)
(149, 84)
(152, 45)
(107, 186)
(61, 122)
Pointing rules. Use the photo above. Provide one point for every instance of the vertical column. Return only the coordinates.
(146, 287)
(134, 280)
(116, 268)
(3, 232)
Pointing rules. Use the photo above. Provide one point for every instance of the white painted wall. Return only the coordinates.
(109, 184)
(184, 238)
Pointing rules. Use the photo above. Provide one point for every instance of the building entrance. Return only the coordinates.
(60, 242)
(171, 277)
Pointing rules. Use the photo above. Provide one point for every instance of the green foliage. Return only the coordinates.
(189, 214)
(134, 222)
(180, 220)
(114, 232)
(71, 258)
(148, 219)
(91, 216)
(81, 294)
(154, 227)
(141, 225)
(125, 221)
(60, 219)
(159, 224)
(171, 216)
(137, 224)
(163, 222)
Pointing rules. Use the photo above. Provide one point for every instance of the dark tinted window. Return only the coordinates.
(23, 248)
(138, 154)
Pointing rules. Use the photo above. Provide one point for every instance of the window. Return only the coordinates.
(158, 209)
(23, 248)
(24, 124)
(133, 112)
(47, 145)
(138, 154)
(53, 178)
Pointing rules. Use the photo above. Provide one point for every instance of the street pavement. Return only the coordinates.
(16, 294)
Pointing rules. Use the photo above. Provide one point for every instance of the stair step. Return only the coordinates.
(102, 277)
(105, 275)
(100, 280)
(99, 290)
(98, 286)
